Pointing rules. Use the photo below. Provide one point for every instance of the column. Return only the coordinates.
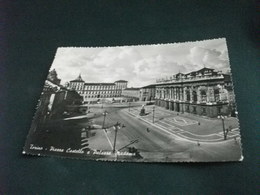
(172, 90)
(221, 93)
(190, 94)
(179, 93)
(210, 94)
(198, 95)
(167, 92)
(162, 92)
(184, 94)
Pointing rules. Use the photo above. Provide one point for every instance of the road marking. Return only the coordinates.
(85, 147)
(85, 143)
(85, 139)
(181, 121)
(76, 117)
(108, 139)
(182, 130)
(179, 134)
(204, 140)
(174, 135)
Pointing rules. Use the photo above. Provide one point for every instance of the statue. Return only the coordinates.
(142, 112)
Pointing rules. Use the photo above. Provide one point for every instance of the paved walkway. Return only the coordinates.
(188, 126)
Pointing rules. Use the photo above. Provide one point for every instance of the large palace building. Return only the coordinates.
(95, 91)
(203, 92)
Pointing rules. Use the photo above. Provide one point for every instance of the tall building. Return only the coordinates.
(77, 84)
(95, 91)
(147, 93)
(203, 92)
(132, 94)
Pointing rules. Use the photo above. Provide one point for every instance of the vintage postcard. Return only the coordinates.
(146, 103)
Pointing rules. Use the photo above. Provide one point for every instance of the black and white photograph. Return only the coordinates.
(170, 102)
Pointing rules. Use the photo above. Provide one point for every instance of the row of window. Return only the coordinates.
(101, 96)
(99, 92)
(193, 109)
(97, 87)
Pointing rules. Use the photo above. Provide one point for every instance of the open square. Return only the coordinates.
(150, 103)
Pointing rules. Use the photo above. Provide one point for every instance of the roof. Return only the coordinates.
(99, 83)
(132, 88)
(205, 68)
(149, 86)
(77, 80)
(122, 81)
(193, 73)
(179, 74)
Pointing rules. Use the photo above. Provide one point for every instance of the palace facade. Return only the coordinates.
(147, 93)
(95, 91)
(132, 94)
(203, 92)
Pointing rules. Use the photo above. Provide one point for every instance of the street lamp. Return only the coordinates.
(153, 113)
(223, 125)
(104, 114)
(116, 127)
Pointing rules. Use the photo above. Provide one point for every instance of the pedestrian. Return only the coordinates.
(148, 130)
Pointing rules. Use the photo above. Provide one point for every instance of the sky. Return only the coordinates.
(139, 65)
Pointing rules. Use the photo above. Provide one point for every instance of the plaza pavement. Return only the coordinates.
(186, 125)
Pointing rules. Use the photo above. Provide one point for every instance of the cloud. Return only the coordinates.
(140, 65)
(211, 58)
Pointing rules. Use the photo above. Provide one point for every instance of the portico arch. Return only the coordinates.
(194, 96)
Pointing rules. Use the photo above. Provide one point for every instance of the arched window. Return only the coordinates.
(194, 96)
(203, 96)
(216, 95)
(188, 95)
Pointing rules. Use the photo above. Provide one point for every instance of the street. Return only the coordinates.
(154, 141)
(167, 137)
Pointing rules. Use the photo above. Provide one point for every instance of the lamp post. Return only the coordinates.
(182, 97)
(223, 126)
(104, 114)
(116, 127)
(153, 113)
